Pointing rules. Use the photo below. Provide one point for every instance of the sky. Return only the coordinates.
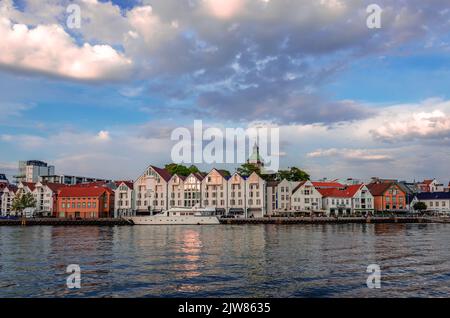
(102, 100)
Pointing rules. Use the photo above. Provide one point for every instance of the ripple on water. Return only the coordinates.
(227, 261)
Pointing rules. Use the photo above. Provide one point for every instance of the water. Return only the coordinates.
(226, 261)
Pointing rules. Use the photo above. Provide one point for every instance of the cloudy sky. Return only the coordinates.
(102, 99)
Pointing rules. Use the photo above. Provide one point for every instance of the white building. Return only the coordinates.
(237, 189)
(349, 200)
(151, 190)
(215, 191)
(305, 197)
(124, 199)
(256, 196)
(438, 202)
(7, 196)
(46, 195)
(176, 191)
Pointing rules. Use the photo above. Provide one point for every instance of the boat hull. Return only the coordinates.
(173, 220)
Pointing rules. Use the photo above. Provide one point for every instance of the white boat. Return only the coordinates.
(177, 216)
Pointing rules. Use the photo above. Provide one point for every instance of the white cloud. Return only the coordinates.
(49, 49)
(350, 154)
(427, 121)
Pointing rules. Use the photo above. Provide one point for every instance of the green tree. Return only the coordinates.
(293, 174)
(224, 172)
(247, 169)
(180, 170)
(420, 206)
(23, 201)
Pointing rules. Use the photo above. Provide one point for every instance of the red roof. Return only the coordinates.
(427, 182)
(11, 187)
(30, 185)
(346, 192)
(163, 173)
(83, 191)
(54, 186)
(327, 184)
(378, 189)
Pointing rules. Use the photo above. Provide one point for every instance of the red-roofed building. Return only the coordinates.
(85, 202)
(347, 200)
(388, 196)
(327, 184)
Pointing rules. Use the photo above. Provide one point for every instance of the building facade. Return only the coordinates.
(388, 196)
(7, 196)
(85, 202)
(436, 202)
(124, 199)
(31, 170)
(305, 197)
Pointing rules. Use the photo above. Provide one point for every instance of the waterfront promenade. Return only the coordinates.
(225, 221)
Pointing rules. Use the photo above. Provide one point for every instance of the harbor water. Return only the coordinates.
(327, 260)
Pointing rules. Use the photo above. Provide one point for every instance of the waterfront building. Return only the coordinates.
(305, 197)
(124, 199)
(284, 190)
(255, 196)
(176, 191)
(436, 202)
(192, 188)
(388, 196)
(215, 191)
(46, 195)
(31, 170)
(7, 196)
(151, 190)
(272, 196)
(349, 200)
(85, 202)
(237, 191)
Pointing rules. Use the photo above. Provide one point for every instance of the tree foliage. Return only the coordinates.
(181, 170)
(23, 201)
(420, 206)
(292, 174)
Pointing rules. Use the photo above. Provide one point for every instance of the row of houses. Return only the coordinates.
(157, 190)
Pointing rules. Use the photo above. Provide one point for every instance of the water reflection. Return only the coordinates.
(226, 261)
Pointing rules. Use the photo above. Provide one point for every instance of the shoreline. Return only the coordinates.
(239, 221)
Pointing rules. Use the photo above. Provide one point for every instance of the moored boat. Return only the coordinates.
(178, 216)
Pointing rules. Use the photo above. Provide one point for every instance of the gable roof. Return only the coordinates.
(54, 186)
(11, 187)
(346, 192)
(298, 186)
(327, 184)
(129, 184)
(379, 188)
(82, 191)
(30, 185)
(433, 196)
(163, 173)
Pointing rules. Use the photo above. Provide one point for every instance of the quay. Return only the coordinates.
(226, 221)
(331, 220)
(64, 222)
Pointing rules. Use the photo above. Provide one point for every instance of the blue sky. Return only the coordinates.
(349, 101)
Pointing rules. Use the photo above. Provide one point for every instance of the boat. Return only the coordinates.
(178, 216)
